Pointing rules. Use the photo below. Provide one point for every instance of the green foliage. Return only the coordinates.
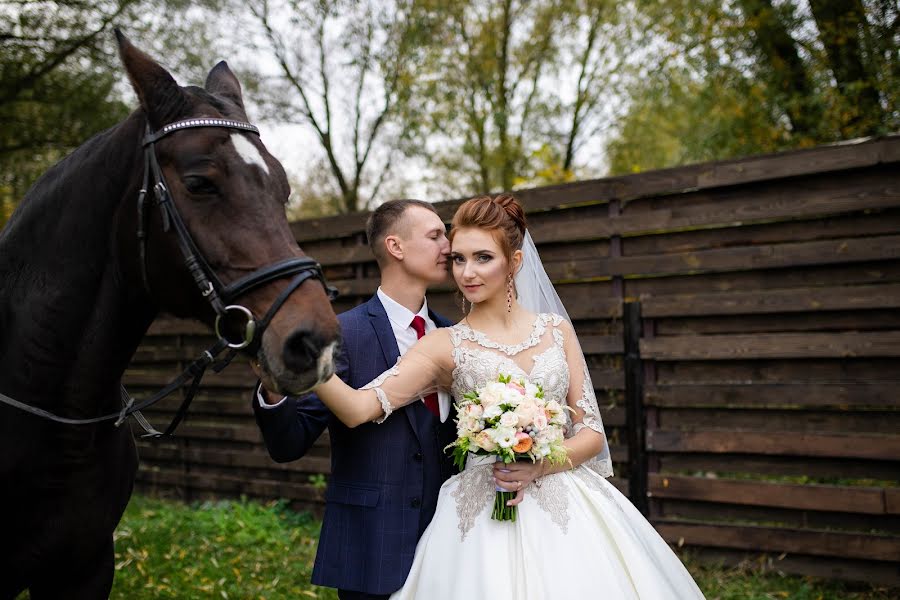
(509, 90)
(754, 76)
(318, 481)
(60, 78)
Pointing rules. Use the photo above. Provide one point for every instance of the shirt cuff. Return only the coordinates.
(262, 401)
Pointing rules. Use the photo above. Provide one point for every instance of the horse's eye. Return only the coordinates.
(197, 184)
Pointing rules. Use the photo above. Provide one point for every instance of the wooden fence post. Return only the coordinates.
(634, 407)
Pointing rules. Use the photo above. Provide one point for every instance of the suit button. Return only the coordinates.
(417, 457)
(415, 503)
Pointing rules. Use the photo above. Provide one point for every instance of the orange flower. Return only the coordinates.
(524, 444)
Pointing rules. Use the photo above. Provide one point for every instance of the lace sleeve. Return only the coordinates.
(375, 384)
(425, 368)
(583, 401)
(588, 403)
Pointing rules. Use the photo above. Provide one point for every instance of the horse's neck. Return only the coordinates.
(68, 325)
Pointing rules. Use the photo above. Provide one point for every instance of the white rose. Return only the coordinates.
(512, 396)
(509, 419)
(492, 394)
(492, 411)
(474, 410)
(531, 390)
(526, 411)
(540, 421)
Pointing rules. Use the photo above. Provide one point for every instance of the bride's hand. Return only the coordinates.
(517, 476)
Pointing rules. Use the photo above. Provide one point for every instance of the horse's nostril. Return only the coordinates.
(301, 351)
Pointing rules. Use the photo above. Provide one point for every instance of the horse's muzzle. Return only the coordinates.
(305, 360)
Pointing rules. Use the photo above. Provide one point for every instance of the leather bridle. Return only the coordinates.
(221, 297)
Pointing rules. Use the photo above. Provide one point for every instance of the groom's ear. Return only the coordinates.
(393, 246)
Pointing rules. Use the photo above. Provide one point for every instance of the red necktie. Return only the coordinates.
(431, 400)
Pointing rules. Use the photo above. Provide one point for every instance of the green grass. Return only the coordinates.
(751, 582)
(250, 550)
(228, 549)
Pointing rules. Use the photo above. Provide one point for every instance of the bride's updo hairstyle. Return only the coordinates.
(502, 215)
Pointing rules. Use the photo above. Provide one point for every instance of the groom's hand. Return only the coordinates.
(517, 476)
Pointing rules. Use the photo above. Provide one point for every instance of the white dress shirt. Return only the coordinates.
(400, 318)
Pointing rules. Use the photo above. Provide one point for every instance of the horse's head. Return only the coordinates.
(230, 193)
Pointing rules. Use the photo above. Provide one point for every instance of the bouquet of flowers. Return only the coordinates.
(511, 420)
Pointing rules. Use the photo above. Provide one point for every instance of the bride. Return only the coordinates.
(575, 535)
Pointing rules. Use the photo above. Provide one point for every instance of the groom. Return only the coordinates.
(384, 478)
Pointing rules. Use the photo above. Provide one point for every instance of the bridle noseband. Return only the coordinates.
(221, 297)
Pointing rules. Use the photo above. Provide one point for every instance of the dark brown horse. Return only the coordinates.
(78, 292)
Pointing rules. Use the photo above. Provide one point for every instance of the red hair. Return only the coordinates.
(502, 215)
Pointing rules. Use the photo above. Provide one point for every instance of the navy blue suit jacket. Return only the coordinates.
(385, 478)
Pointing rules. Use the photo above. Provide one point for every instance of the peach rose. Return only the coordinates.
(523, 443)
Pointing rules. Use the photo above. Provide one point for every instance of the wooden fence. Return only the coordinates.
(741, 323)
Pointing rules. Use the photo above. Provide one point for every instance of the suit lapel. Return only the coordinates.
(383, 331)
(391, 352)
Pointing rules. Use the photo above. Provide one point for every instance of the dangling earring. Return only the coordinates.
(463, 300)
(509, 292)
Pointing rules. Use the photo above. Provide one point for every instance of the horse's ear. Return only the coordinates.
(161, 97)
(222, 82)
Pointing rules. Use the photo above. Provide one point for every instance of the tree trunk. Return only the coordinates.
(788, 73)
(840, 24)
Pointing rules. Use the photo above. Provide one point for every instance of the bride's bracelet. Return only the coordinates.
(385, 405)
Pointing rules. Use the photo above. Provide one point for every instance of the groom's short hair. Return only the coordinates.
(386, 220)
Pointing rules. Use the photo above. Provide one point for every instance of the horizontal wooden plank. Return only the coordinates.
(729, 514)
(854, 570)
(225, 485)
(871, 501)
(773, 301)
(169, 325)
(798, 228)
(853, 154)
(773, 465)
(774, 539)
(754, 280)
(838, 370)
(846, 320)
(735, 209)
(783, 419)
(242, 459)
(772, 345)
(601, 344)
(856, 445)
(766, 256)
(774, 394)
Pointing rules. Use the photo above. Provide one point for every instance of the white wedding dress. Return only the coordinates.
(575, 535)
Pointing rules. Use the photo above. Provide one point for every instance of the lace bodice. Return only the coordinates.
(479, 360)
